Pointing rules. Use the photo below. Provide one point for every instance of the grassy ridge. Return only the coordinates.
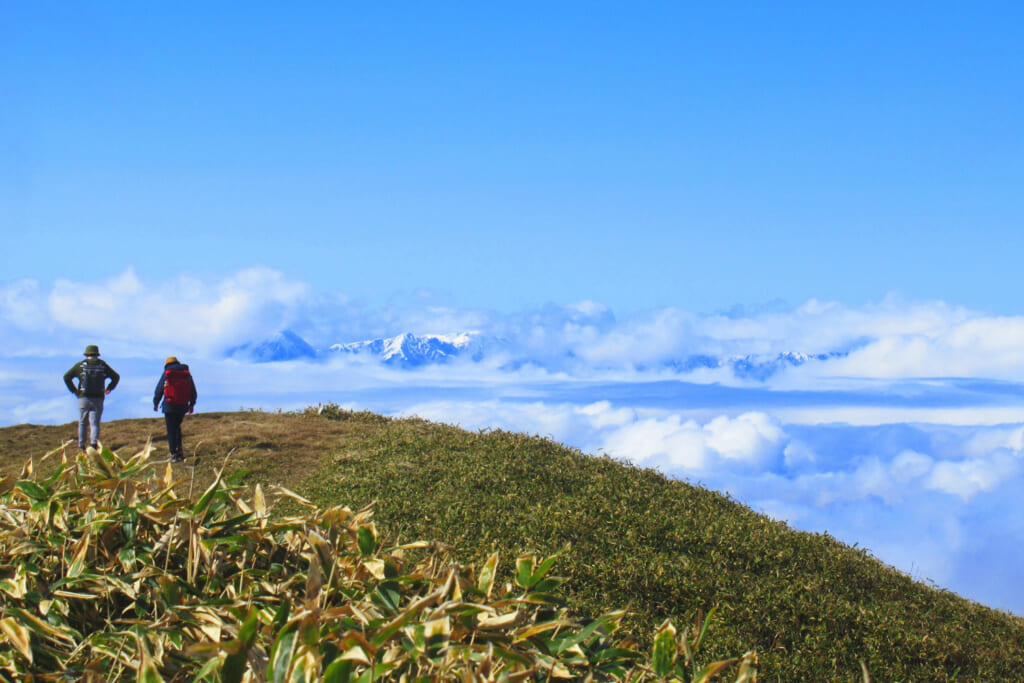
(812, 607)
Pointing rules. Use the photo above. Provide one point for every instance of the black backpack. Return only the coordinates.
(92, 379)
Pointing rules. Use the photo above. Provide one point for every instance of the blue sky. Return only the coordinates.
(507, 156)
(598, 193)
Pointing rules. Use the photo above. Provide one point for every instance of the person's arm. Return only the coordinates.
(69, 376)
(159, 393)
(114, 378)
(194, 395)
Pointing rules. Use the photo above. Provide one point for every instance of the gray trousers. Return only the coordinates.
(89, 412)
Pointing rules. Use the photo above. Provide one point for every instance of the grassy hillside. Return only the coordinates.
(812, 607)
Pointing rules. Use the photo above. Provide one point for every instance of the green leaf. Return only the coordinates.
(204, 501)
(389, 594)
(663, 654)
(221, 528)
(704, 629)
(204, 673)
(524, 571)
(339, 671)
(281, 615)
(375, 671)
(367, 539)
(546, 566)
(485, 583)
(32, 490)
(614, 654)
(235, 662)
(281, 655)
(579, 637)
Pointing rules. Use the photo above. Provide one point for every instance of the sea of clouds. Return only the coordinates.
(901, 428)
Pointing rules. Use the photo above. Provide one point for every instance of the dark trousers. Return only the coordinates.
(173, 418)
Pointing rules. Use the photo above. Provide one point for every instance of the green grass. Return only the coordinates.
(813, 608)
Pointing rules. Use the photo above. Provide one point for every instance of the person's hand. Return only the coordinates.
(190, 409)
(107, 391)
(154, 409)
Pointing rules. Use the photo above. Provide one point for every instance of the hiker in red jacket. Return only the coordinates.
(177, 390)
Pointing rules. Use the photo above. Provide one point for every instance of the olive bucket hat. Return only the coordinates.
(92, 350)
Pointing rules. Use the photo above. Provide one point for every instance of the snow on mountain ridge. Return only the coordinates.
(411, 350)
(408, 351)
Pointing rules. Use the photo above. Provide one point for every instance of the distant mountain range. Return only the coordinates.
(410, 351)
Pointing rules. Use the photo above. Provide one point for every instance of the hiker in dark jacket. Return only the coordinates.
(177, 391)
(92, 374)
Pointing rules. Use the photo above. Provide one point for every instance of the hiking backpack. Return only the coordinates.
(177, 386)
(92, 379)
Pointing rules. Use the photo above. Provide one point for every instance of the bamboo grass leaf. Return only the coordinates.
(17, 635)
(32, 490)
(708, 672)
(147, 669)
(235, 663)
(78, 559)
(485, 584)
(367, 538)
(339, 671)
(524, 570)
(663, 654)
(279, 666)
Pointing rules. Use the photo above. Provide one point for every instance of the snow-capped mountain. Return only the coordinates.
(411, 350)
(285, 345)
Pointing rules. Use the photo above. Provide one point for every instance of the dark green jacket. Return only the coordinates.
(76, 371)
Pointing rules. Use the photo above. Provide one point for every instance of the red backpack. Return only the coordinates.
(177, 386)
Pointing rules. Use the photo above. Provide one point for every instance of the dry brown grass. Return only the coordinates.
(279, 447)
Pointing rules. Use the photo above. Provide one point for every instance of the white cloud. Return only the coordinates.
(671, 442)
(967, 478)
(910, 465)
(44, 411)
(184, 313)
(667, 440)
(752, 438)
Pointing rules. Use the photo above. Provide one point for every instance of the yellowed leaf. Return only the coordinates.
(376, 568)
(356, 654)
(18, 636)
(81, 547)
(500, 622)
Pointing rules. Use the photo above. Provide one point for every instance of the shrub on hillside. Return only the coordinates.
(111, 571)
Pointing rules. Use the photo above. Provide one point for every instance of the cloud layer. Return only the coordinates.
(896, 425)
(889, 340)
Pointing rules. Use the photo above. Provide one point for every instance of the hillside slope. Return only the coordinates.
(812, 607)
